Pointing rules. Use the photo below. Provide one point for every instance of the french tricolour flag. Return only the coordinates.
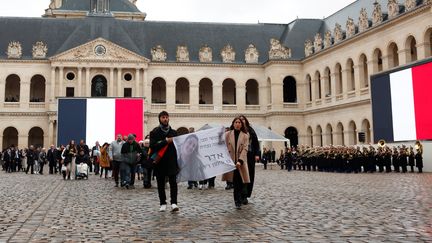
(402, 104)
(99, 119)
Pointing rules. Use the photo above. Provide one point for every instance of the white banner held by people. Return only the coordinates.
(202, 155)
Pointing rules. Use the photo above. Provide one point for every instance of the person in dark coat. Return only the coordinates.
(419, 156)
(130, 152)
(162, 138)
(411, 159)
(253, 156)
(31, 157)
(52, 159)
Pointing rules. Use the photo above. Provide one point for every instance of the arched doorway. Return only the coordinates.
(158, 91)
(292, 134)
(36, 137)
(37, 89)
(10, 137)
(229, 92)
(182, 91)
(252, 97)
(99, 86)
(205, 91)
(12, 88)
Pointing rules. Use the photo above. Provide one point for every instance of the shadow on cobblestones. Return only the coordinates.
(297, 206)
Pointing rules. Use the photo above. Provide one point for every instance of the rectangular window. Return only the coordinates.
(128, 92)
(70, 92)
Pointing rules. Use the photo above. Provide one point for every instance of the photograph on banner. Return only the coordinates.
(202, 155)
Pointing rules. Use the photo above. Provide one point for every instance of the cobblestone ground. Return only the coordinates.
(286, 207)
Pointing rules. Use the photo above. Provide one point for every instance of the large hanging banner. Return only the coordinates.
(202, 155)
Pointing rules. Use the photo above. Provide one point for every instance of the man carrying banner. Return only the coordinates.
(161, 144)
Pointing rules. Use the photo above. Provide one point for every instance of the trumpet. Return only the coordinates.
(381, 143)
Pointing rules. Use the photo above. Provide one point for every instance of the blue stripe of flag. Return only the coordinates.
(71, 120)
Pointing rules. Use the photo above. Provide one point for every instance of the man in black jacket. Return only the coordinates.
(161, 138)
(31, 157)
(52, 159)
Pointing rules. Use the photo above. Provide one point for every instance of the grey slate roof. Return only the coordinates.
(84, 5)
(140, 36)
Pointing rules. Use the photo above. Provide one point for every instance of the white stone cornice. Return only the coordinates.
(337, 107)
(21, 114)
(192, 64)
(371, 30)
(24, 61)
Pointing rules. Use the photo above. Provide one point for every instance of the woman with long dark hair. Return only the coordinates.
(237, 140)
(253, 156)
(69, 154)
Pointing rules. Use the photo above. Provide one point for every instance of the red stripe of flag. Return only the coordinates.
(422, 86)
(129, 117)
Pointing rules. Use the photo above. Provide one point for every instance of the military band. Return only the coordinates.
(354, 159)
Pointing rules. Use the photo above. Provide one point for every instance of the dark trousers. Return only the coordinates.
(265, 165)
(30, 166)
(116, 171)
(127, 172)
(238, 187)
(147, 177)
(412, 168)
(251, 167)
(211, 182)
(161, 188)
(192, 184)
(52, 168)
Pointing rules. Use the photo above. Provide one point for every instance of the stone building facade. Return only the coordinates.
(308, 80)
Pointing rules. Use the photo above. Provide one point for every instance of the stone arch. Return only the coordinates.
(427, 40)
(377, 60)
(338, 78)
(351, 75)
(292, 134)
(205, 91)
(289, 90)
(37, 88)
(12, 88)
(309, 87)
(309, 136)
(317, 80)
(252, 92)
(158, 91)
(36, 137)
(352, 133)
(328, 134)
(363, 69)
(411, 48)
(366, 128)
(327, 82)
(10, 137)
(339, 134)
(229, 95)
(182, 91)
(393, 55)
(99, 86)
(318, 136)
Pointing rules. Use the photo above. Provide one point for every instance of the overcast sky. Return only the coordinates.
(233, 11)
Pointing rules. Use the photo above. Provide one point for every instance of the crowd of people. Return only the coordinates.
(354, 159)
(124, 159)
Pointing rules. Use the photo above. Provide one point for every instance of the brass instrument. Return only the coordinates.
(381, 143)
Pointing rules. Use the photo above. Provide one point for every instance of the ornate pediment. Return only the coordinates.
(228, 54)
(338, 35)
(377, 17)
(158, 54)
(308, 48)
(182, 54)
(14, 50)
(205, 54)
(39, 50)
(327, 39)
(100, 50)
(318, 42)
(251, 54)
(410, 5)
(350, 27)
(393, 8)
(278, 51)
(363, 20)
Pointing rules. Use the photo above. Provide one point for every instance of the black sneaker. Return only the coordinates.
(127, 186)
(245, 201)
(189, 187)
(238, 206)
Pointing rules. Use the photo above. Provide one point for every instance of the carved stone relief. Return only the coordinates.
(55, 4)
(14, 50)
(228, 54)
(308, 48)
(83, 52)
(427, 2)
(338, 35)
(205, 54)
(182, 54)
(278, 51)
(377, 17)
(251, 54)
(327, 39)
(393, 8)
(410, 5)
(158, 54)
(318, 43)
(39, 50)
(350, 27)
(363, 20)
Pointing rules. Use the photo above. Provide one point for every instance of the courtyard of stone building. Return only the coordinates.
(286, 207)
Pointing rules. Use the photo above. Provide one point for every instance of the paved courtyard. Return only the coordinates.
(286, 207)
